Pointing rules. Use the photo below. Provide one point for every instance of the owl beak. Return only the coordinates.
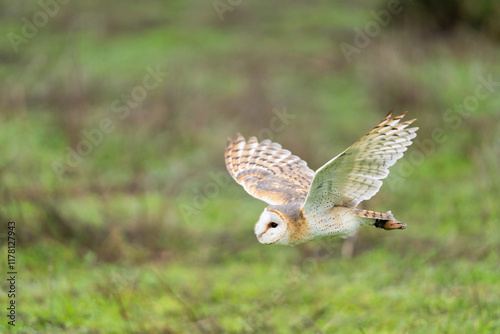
(260, 235)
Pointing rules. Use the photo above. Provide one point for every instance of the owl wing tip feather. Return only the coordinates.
(387, 117)
(253, 140)
(239, 138)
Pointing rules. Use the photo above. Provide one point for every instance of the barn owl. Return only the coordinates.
(305, 205)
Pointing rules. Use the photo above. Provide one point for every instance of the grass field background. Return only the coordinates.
(143, 231)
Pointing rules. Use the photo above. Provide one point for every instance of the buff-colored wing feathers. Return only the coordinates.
(355, 174)
(267, 171)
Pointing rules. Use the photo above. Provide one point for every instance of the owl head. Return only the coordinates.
(271, 227)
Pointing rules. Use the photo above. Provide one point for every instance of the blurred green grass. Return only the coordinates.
(148, 233)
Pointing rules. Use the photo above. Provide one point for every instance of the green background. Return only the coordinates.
(145, 232)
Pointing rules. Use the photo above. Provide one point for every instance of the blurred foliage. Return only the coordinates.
(145, 232)
(450, 15)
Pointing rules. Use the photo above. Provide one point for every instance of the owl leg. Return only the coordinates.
(389, 224)
(382, 220)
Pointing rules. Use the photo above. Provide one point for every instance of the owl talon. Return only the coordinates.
(389, 224)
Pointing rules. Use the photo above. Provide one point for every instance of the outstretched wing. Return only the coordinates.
(267, 171)
(355, 174)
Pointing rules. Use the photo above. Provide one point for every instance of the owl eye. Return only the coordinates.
(273, 225)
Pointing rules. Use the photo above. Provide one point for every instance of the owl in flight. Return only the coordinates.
(305, 205)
